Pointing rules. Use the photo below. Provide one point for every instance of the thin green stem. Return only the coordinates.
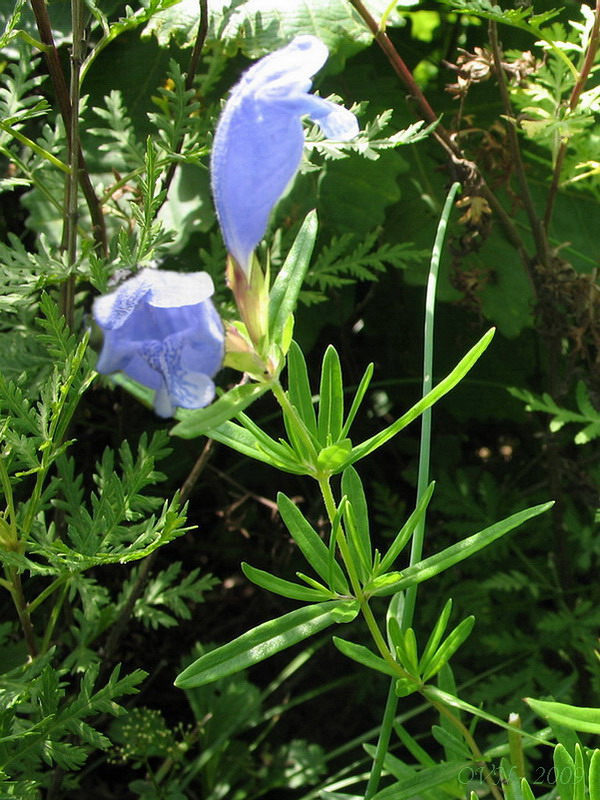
(54, 616)
(331, 507)
(34, 147)
(391, 705)
(47, 592)
(425, 440)
(299, 426)
(22, 611)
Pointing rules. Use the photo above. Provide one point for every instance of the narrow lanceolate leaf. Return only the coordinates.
(201, 420)
(299, 388)
(262, 449)
(361, 654)
(574, 717)
(423, 570)
(353, 489)
(442, 388)
(331, 398)
(421, 782)
(263, 641)
(594, 777)
(358, 398)
(287, 285)
(313, 548)
(436, 635)
(448, 648)
(406, 531)
(285, 588)
(433, 693)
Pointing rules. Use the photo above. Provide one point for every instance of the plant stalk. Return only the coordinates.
(391, 705)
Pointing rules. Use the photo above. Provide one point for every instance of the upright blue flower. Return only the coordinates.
(259, 139)
(162, 330)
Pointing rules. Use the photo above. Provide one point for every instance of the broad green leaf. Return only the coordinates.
(310, 543)
(260, 26)
(406, 531)
(199, 421)
(442, 388)
(352, 487)
(575, 717)
(285, 588)
(422, 781)
(299, 388)
(260, 643)
(286, 288)
(426, 569)
(448, 648)
(331, 399)
(361, 654)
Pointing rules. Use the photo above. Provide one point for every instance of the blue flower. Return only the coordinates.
(259, 139)
(162, 330)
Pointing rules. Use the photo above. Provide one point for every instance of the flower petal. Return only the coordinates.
(259, 140)
(162, 330)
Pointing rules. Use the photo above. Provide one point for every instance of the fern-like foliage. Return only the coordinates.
(587, 415)
(167, 595)
(369, 142)
(43, 724)
(344, 261)
(523, 18)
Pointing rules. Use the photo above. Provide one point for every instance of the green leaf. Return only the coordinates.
(260, 26)
(451, 742)
(594, 777)
(254, 445)
(331, 398)
(433, 693)
(299, 388)
(406, 531)
(199, 421)
(361, 654)
(286, 288)
(442, 388)
(285, 588)
(358, 398)
(422, 781)
(436, 635)
(331, 459)
(564, 767)
(426, 569)
(448, 648)
(575, 717)
(352, 487)
(310, 543)
(260, 643)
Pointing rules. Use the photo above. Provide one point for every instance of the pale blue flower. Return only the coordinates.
(259, 139)
(162, 330)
